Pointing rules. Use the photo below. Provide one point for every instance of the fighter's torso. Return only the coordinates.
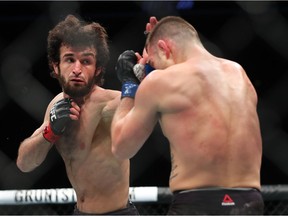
(85, 147)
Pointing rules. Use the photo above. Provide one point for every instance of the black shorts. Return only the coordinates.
(217, 201)
(129, 210)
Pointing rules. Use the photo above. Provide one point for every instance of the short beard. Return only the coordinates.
(76, 91)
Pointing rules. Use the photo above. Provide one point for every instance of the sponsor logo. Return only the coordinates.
(45, 196)
(227, 201)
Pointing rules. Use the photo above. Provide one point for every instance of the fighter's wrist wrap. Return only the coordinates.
(129, 89)
(141, 71)
(148, 69)
(49, 135)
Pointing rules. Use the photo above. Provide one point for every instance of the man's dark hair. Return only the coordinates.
(77, 33)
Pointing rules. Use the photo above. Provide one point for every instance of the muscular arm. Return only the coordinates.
(133, 123)
(33, 151)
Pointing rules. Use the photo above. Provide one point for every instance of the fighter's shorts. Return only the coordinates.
(129, 210)
(217, 201)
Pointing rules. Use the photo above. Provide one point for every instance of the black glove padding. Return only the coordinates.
(124, 67)
(59, 116)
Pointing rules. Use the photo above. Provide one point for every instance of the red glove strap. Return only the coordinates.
(49, 135)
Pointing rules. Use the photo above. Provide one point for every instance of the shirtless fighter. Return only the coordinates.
(207, 109)
(77, 121)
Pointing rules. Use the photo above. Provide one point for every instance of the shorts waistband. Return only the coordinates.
(214, 189)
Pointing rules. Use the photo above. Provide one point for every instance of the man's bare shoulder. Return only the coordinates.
(58, 97)
(153, 78)
(113, 93)
(106, 97)
(231, 64)
(105, 94)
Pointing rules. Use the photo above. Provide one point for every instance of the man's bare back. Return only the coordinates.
(216, 125)
(206, 107)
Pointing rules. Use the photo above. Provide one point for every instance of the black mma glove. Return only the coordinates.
(124, 69)
(59, 118)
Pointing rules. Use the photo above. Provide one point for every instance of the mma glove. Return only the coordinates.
(59, 119)
(125, 73)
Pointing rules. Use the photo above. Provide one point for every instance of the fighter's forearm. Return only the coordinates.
(32, 151)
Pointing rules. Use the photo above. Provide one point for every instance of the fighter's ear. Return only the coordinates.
(164, 47)
(98, 71)
(56, 68)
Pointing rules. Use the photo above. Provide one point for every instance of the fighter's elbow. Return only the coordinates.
(23, 166)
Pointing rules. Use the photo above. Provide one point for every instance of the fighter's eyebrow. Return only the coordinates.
(83, 54)
(68, 54)
(89, 54)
